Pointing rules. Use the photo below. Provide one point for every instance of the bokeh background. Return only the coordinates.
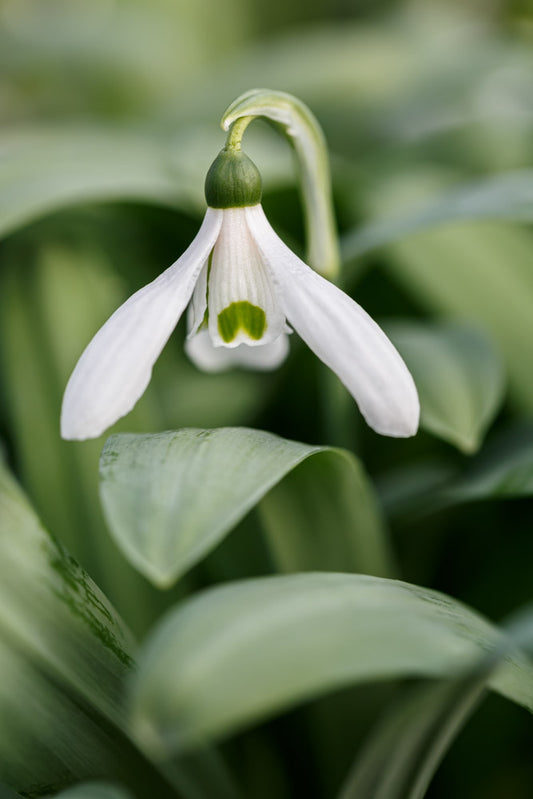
(109, 119)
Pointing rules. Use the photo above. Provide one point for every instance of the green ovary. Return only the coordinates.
(241, 316)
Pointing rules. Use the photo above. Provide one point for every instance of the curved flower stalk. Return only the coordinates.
(247, 291)
(305, 135)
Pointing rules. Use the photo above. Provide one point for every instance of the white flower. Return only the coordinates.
(250, 284)
(245, 286)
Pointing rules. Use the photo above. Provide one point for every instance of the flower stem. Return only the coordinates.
(236, 132)
(290, 116)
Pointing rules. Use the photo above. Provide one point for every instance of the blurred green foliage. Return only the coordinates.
(109, 112)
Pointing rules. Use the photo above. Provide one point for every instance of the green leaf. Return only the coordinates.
(241, 652)
(50, 307)
(63, 657)
(323, 516)
(507, 196)
(409, 742)
(95, 790)
(7, 793)
(481, 274)
(459, 377)
(171, 497)
(504, 468)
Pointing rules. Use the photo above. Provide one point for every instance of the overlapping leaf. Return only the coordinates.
(239, 653)
(171, 497)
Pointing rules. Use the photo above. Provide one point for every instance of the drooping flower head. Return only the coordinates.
(247, 291)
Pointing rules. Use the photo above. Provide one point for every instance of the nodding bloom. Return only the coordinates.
(246, 291)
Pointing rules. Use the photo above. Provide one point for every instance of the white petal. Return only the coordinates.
(343, 335)
(239, 275)
(116, 366)
(209, 358)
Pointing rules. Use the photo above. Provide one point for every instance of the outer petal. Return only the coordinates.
(116, 366)
(209, 358)
(238, 275)
(343, 335)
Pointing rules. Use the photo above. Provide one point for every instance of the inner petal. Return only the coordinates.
(251, 319)
(242, 299)
(205, 356)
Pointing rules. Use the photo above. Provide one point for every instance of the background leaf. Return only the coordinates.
(481, 274)
(239, 653)
(503, 469)
(459, 377)
(171, 497)
(405, 748)
(505, 196)
(409, 741)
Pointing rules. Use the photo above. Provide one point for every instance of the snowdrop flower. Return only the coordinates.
(245, 287)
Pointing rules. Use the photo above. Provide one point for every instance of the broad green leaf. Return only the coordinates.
(63, 657)
(459, 377)
(409, 742)
(505, 196)
(171, 497)
(95, 790)
(481, 274)
(242, 652)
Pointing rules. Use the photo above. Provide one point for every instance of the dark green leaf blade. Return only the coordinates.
(64, 654)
